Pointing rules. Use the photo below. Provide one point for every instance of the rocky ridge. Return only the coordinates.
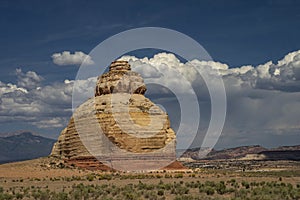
(254, 152)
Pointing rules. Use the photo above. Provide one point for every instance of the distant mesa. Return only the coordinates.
(119, 128)
(254, 152)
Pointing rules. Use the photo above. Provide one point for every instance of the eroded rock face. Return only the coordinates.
(119, 126)
(120, 79)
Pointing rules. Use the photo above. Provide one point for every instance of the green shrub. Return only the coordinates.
(160, 192)
(90, 177)
(209, 190)
(19, 195)
(245, 184)
(221, 188)
(5, 196)
(180, 175)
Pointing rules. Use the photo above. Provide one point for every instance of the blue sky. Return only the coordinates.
(236, 33)
(233, 32)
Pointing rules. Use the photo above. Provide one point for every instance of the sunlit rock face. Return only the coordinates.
(120, 127)
(120, 79)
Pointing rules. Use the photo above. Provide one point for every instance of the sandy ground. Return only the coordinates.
(39, 173)
(37, 168)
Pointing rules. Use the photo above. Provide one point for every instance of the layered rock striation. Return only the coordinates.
(119, 128)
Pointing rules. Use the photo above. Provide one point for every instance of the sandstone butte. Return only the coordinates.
(119, 128)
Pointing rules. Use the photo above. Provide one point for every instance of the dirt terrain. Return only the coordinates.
(54, 178)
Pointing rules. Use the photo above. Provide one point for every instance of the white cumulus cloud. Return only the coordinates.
(67, 58)
(262, 101)
(29, 101)
(28, 80)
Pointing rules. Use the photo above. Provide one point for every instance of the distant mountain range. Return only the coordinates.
(24, 146)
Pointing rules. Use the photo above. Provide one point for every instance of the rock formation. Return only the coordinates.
(109, 83)
(119, 128)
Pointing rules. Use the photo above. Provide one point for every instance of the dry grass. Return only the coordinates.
(43, 174)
